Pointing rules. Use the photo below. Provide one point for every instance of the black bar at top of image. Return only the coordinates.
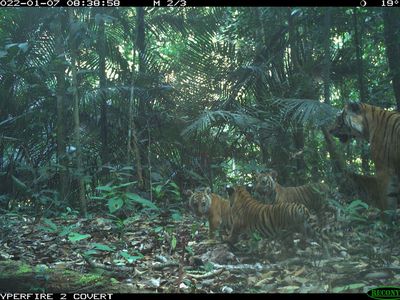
(217, 3)
(243, 3)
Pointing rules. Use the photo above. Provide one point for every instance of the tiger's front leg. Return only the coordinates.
(232, 239)
(214, 222)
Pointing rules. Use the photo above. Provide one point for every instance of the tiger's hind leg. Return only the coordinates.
(388, 185)
(392, 196)
(286, 240)
(312, 228)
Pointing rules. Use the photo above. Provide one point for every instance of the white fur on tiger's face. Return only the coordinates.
(265, 185)
(200, 201)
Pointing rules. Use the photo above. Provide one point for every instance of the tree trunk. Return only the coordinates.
(361, 85)
(133, 138)
(61, 109)
(337, 161)
(76, 121)
(391, 18)
(133, 148)
(101, 50)
(298, 134)
(298, 156)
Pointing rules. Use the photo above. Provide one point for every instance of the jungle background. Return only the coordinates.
(108, 115)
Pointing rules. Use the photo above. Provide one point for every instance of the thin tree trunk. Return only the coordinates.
(133, 141)
(101, 50)
(141, 48)
(361, 85)
(391, 18)
(61, 109)
(298, 134)
(337, 161)
(77, 137)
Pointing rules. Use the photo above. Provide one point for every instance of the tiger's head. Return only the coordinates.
(200, 201)
(350, 123)
(265, 183)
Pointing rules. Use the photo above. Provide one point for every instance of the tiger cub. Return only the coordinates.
(271, 220)
(312, 195)
(217, 209)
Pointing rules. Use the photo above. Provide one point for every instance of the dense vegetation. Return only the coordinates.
(119, 111)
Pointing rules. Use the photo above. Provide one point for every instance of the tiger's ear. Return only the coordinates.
(354, 107)
(274, 174)
(207, 190)
(250, 188)
(188, 192)
(230, 190)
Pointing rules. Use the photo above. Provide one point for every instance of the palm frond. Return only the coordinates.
(213, 118)
(306, 111)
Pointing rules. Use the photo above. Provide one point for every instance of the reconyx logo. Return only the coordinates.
(385, 292)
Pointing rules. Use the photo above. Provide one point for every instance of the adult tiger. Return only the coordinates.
(271, 220)
(382, 129)
(217, 209)
(312, 195)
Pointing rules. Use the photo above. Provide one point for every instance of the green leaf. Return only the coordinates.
(102, 247)
(174, 185)
(105, 188)
(130, 258)
(158, 188)
(19, 183)
(189, 250)
(136, 198)
(51, 226)
(158, 229)
(176, 216)
(97, 198)
(115, 204)
(90, 252)
(173, 243)
(124, 184)
(74, 237)
(357, 203)
(66, 230)
(23, 47)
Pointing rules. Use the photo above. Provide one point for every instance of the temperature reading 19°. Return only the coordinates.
(389, 2)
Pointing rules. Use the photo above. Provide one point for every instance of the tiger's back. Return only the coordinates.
(269, 220)
(312, 195)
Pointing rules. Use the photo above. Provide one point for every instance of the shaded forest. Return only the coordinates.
(111, 118)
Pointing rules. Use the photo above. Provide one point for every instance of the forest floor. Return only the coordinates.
(169, 251)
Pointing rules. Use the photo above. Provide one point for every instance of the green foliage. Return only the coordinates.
(352, 212)
(61, 231)
(131, 258)
(170, 190)
(118, 197)
(74, 237)
(102, 247)
(50, 226)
